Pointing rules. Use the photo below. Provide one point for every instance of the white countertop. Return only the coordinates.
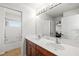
(58, 49)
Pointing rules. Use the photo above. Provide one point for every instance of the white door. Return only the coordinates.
(13, 26)
(2, 25)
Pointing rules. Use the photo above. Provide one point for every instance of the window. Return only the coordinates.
(13, 23)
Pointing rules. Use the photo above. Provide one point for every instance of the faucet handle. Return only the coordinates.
(39, 36)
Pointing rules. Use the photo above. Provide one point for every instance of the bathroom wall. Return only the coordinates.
(70, 27)
(28, 25)
(71, 12)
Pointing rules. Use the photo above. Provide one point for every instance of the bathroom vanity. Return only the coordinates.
(33, 49)
(46, 47)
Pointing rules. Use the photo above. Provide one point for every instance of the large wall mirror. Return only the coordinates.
(61, 21)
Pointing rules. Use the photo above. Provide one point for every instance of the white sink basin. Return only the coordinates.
(55, 46)
(46, 41)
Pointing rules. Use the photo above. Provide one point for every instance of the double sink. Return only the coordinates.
(49, 44)
(52, 46)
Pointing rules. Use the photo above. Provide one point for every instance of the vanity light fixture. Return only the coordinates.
(47, 8)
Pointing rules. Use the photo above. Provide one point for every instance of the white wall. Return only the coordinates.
(71, 12)
(70, 27)
(28, 25)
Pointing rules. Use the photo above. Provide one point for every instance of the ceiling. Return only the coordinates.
(37, 6)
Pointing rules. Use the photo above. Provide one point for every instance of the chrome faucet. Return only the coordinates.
(57, 41)
(58, 38)
(39, 36)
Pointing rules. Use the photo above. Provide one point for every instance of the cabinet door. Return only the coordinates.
(43, 52)
(30, 48)
(2, 24)
(33, 49)
(38, 53)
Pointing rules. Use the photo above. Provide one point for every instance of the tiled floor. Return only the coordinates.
(14, 52)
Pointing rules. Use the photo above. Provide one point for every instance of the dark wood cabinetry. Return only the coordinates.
(33, 49)
(30, 48)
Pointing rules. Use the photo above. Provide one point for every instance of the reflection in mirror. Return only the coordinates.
(62, 22)
(43, 25)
